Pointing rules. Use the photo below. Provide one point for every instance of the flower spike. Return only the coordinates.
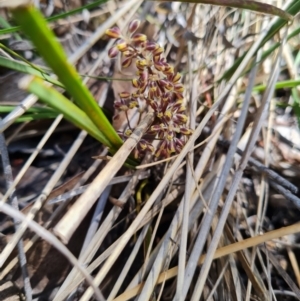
(157, 87)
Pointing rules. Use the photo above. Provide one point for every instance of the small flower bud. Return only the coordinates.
(113, 52)
(171, 147)
(139, 38)
(127, 62)
(178, 87)
(168, 115)
(179, 95)
(179, 144)
(120, 106)
(152, 94)
(135, 83)
(156, 58)
(142, 145)
(166, 97)
(150, 148)
(150, 46)
(168, 69)
(159, 115)
(124, 95)
(141, 64)
(136, 153)
(156, 128)
(161, 151)
(165, 84)
(170, 136)
(114, 33)
(180, 118)
(128, 132)
(153, 104)
(158, 51)
(122, 46)
(185, 131)
(128, 53)
(159, 66)
(144, 75)
(133, 104)
(133, 26)
(178, 105)
(181, 109)
(176, 77)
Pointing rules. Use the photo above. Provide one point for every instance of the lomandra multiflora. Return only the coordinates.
(156, 86)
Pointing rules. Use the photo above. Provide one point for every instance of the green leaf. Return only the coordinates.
(279, 85)
(24, 68)
(244, 4)
(296, 104)
(36, 27)
(61, 104)
(32, 110)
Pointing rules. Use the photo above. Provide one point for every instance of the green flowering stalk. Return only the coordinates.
(157, 86)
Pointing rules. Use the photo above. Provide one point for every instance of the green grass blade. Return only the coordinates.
(32, 110)
(245, 4)
(24, 68)
(293, 10)
(36, 27)
(61, 104)
(33, 117)
(20, 57)
(296, 104)
(279, 85)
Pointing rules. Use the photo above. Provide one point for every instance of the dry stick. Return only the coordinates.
(291, 197)
(14, 202)
(252, 274)
(129, 262)
(236, 180)
(195, 255)
(224, 251)
(271, 173)
(167, 242)
(189, 178)
(283, 273)
(73, 279)
(51, 239)
(226, 169)
(64, 229)
(151, 280)
(70, 194)
(159, 262)
(32, 157)
(150, 215)
(131, 230)
(172, 235)
(42, 197)
(264, 169)
(98, 239)
(28, 102)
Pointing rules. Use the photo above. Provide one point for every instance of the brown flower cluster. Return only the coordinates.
(158, 86)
